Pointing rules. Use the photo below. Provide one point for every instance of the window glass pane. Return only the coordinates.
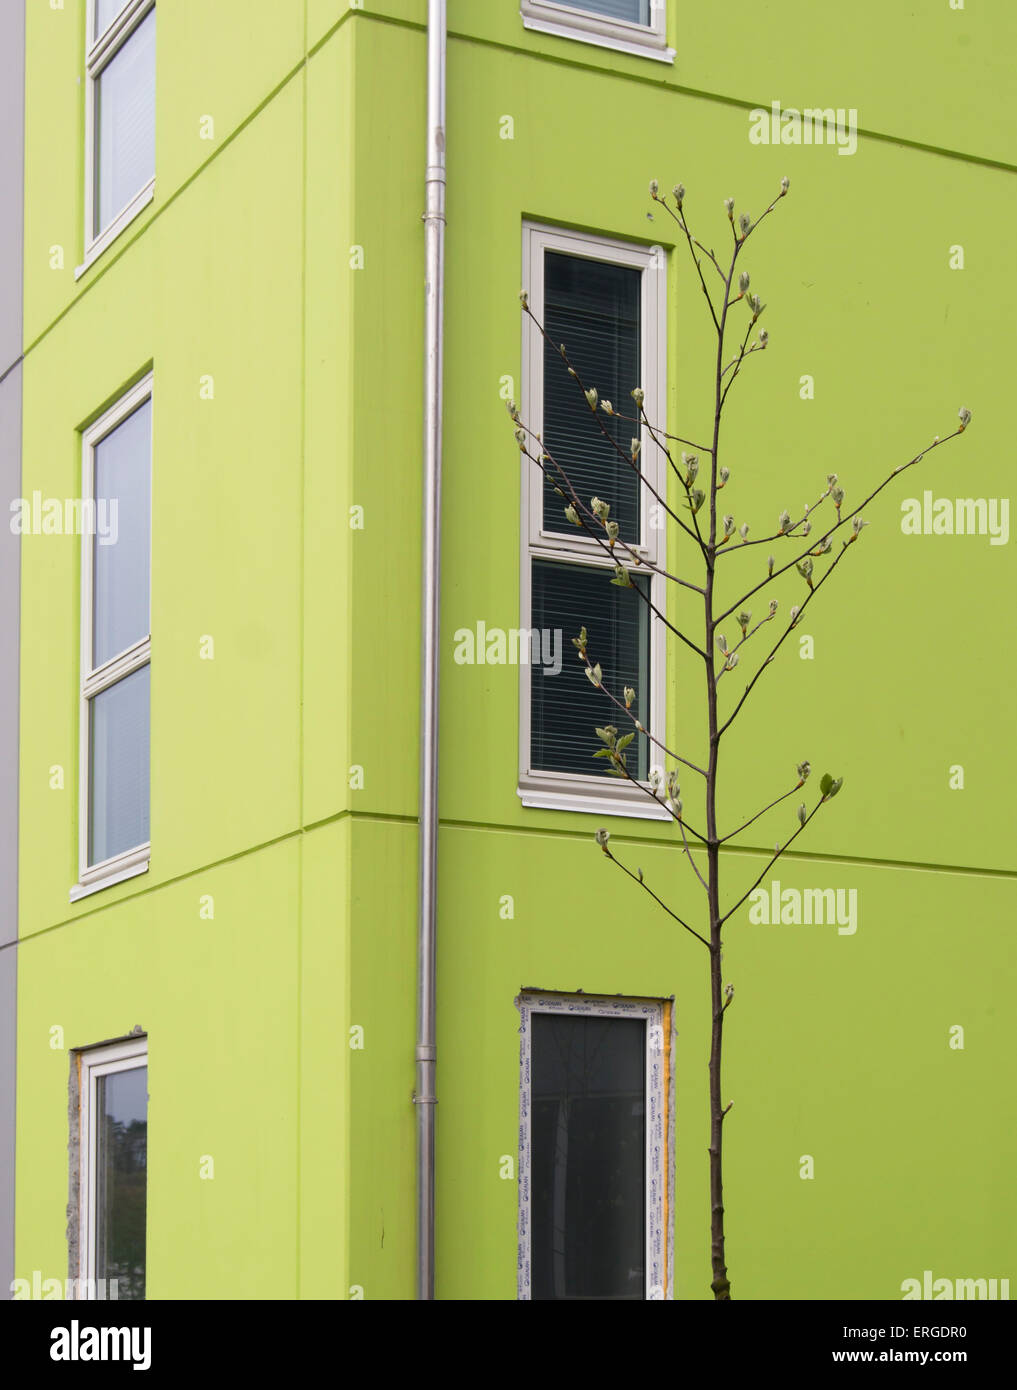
(105, 13)
(636, 11)
(121, 567)
(594, 309)
(121, 1164)
(125, 124)
(588, 1156)
(119, 765)
(566, 708)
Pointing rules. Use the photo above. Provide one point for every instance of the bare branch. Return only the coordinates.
(653, 895)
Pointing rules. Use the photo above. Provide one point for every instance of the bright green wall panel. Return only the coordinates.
(836, 1046)
(226, 503)
(860, 296)
(383, 1003)
(218, 999)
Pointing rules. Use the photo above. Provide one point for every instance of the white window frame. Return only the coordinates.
(660, 1088)
(565, 790)
(93, 1063)
(573, 22)
(94, 680)
(99, 53)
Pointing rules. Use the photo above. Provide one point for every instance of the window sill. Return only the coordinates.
(124, 866)
(122, 220)
(590, 798)
(650, 48)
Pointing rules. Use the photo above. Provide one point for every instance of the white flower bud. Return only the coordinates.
(520, 435)
(803, 771)
(743, 530)
(602, 836)
(722, 642)
(831, 481)
(802, 814)
(637, 396)
(733, 661)
(784, 521)
(769, 565)
(612, 530)
(693, 466)
(774, 605)
(725, 473)
(838, 496)
(629, 695)
(607, 407)
(744, 618)
(654, 188)
(785, 184)
(744, 223)
(572, 515)
(728, 525)
(636, 446)
(729, 206)
(764, 337)
(600, 509)
(805, 568)
(524, 299)
(794, 614)
(857, 524)
(964, 415)
(806, 527)
(591, 396)
(743, 281)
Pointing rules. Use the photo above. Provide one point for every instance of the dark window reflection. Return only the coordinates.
(588, 1136)
(120, 1186)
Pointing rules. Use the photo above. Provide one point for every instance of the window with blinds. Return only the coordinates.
(120, 116)
(604, 301)
(630, 26)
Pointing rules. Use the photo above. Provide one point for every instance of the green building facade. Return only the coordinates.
(263, 300)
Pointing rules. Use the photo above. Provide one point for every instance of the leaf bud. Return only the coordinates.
(774, 605)
(679, 193)
(964, 415)
(729, 208)
(591, 396)
(743, 530)
(743, 281)
(638, 397)
(725, 473)
(602, 836)
(785, 184)
(654, 188)
(769, 565)
(802, 814)
(630, 695)
(744, 223)
(572, 515)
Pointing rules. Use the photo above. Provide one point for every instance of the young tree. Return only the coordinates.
(714, 540)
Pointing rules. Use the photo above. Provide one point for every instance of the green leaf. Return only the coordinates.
(835, 787)
(607, 735)
(624, 741)
(826, 782)
(613, 772)
(602, 753)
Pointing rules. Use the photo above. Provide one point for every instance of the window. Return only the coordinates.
(595, 1121)
(606, 302)
(119, 118)
(630, 26)
(109, 1187)
(116, 643)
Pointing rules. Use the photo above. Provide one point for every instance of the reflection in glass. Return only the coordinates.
(588, 1138)
(121, 1165)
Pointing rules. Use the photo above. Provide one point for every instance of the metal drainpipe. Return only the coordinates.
(434, 287)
